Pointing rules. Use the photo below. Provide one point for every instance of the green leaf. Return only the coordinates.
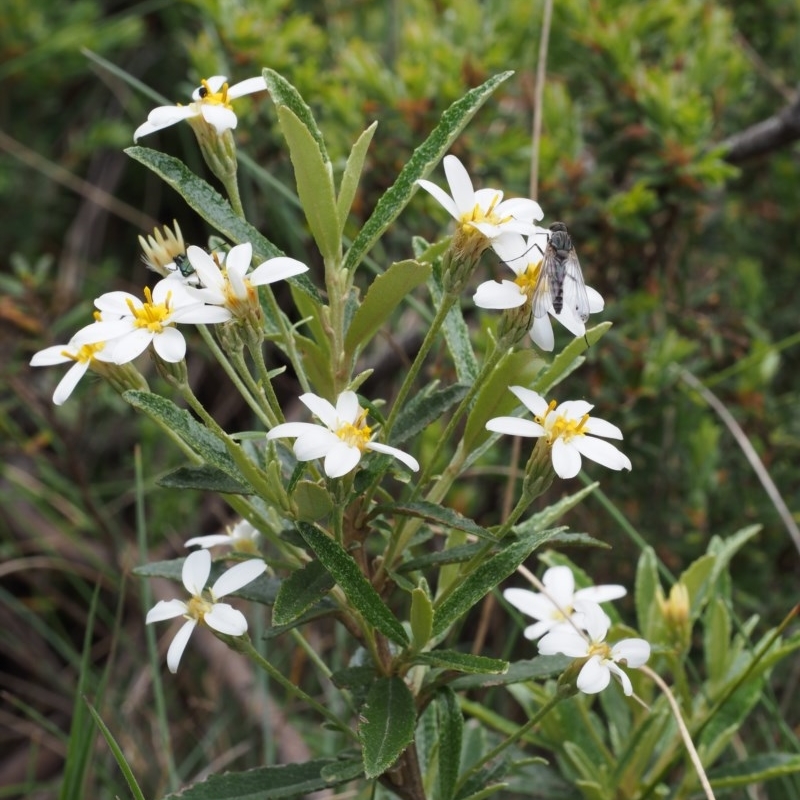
(451, 734)
(352, 174)
(182, 423)
(422, 161)
(312, 500)
(383, 296)
(386, 724)
(647, 584)
(494, 399)
(533, 669)
(302, 589)
(545, 518)
(343, 770)
(481, 581)
(462, 662)
(359, 591)
(456, 334)
(284, 94)
(263, 783)
(314, 185)
(717, 629)
(438, 514)
(204, 478)
(728, 719)
(754, 770)
(214, 208)
(421, 617)
(569, 359)
(423, 408)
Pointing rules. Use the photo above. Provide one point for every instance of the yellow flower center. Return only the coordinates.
(561, 427)
(356, 435)
(153, 316)
(86, 353)
(528, 279)
(599, 649)
(219, 98)
(198, 607)
(479, 215)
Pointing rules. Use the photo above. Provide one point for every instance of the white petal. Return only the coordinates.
(541, 333)
(164, 116)
(211, 540)
(292, 429)
(320, 408)
(69, 382)
(214, 83)
(460, 185)
(574, 409)
(560, 584)
(341, 459)
(52, 355)
(226, 619)
(569, 320)
(206, 268)
(538, 629)
(514, 426)
(247, 86)
(237, 576)
(602, 452)
(199, 314)
(521, 209)
(239, 258)
(222, 118)
(179, 645)
(117, 303)
(170, 345)
(534, 604)
(596, 302)
(441, 197)
(601, 594)
(128, 347)
(517, 251)
(623, 678)
(277, 269)
(634, 652)
(599, 427)
(594, 677)
(347, 407)
(533, 401)
(566, 459)
(408, 460)
(317, 442)
(492, 294)
(195, 571)
(595, 621)
(563, 640)
(166, 609)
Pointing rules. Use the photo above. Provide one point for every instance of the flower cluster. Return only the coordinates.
(571, 623)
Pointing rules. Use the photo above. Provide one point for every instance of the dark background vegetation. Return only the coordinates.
(694, 247)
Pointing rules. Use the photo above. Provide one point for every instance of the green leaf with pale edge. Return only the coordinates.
(647, 584)
(494, 399)
(359, 591)
(314, 184)
(214, 209)
(438, 514)
(546, 517)
(423, 408)
(302, 589)
(386, 724)
(451, 733)
(485, 782)
(284, 94)
(533, 669)
(204, 478)
(343, 770)
(462, 662)
(421, 617)
(422, 161)
(569, 359)
(352, 174)
(754, 770)
(182, 423)
(385, 293)
(457, 336)
(262, 783)
(481, 581)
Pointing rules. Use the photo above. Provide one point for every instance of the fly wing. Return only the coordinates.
(575, 297)
(546, 283)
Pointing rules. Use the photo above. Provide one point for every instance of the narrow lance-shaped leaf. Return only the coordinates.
(359, 591)
(385, 293)
(438, 514)
(451, 733)
(314, 184)
(386, 724)
(457, 336)
(214, 208)
(352, 175)
(422, 161)
(301, 590)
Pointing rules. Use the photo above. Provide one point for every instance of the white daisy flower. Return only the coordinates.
(211, 101)
(341, 439)
(603, 659)
(241, 537)
(569, 430)
(81, 357)
(202, 606)
(137, 324)
(555, 606)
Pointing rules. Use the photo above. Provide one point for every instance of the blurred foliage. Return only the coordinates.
(697, 261)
